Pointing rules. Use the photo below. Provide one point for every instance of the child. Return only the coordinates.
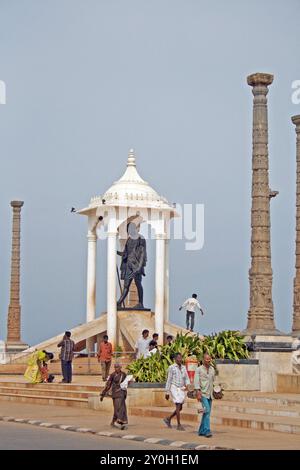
(46, 377)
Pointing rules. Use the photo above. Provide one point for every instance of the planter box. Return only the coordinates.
(146, 394)
(241, 361)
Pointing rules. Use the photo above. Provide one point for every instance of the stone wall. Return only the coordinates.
(135, 397)
(288, 383)
(243, 375)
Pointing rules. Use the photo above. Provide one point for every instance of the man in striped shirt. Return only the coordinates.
(176, 385)
(67, 346)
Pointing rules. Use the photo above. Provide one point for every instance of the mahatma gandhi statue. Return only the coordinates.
(134, 258)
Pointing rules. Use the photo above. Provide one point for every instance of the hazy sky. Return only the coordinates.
(86, 81)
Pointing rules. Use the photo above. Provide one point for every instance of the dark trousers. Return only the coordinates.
(66, 368)
(105, 368)
(190, 316)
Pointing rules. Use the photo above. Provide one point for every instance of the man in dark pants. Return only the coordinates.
(191, 304)
(66, 356)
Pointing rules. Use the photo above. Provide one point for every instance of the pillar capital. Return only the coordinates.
(260, 79)
(18, 204)
(296, 120)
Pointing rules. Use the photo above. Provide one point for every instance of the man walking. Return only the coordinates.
(104, 357)
(142, 345)
(191, 304)
(204, 384)
(67, 346)
(176, 385)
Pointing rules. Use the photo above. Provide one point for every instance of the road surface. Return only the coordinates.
(24, 436)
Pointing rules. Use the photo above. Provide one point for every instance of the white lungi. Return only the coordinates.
(177, 394)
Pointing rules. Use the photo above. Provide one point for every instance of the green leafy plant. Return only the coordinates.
(224, 345)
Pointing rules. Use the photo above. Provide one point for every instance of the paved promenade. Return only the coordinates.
(147, 428)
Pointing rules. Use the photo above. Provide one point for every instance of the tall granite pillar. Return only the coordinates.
(260, 314)
(296, 304)
(14, 343)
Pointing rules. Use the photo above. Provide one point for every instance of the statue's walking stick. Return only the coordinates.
(120, 285)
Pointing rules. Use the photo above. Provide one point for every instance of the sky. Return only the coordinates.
(88, 80)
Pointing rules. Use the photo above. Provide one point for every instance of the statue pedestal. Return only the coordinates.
(133, 309)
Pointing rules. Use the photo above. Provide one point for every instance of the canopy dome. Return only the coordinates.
(131, 190)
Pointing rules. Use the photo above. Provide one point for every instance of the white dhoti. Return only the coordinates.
(177, 394)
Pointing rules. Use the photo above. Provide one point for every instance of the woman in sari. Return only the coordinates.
(35, 362)
(118, 396)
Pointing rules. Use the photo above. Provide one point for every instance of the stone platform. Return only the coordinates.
(130, 326)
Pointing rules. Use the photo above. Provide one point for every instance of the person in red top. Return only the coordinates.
(104, 356)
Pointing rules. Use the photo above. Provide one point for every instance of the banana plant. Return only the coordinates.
(223, 345)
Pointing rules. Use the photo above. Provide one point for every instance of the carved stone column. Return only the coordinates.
(296, 304)
(260, 314)
(14, 310)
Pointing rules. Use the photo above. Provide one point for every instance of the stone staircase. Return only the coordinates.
(49, 394)
(130, 326)
(81, 366)
(262, 411)
(255, 410)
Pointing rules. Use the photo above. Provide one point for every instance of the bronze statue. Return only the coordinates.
(134, 258)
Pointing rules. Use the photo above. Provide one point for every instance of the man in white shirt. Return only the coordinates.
(191, 304)
(142, 345)
(177, 383)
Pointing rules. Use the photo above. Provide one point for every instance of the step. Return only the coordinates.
(271, 398)
(55, 386)
(288, 383)
(265, 409)
(81, 368)
(45, 400)
(265, 423)
(47, 392)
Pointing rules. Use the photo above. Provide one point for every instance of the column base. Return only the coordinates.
(274, 353)
(15, 347)
(8, 349)
(269, 342)
(262, 332)
(295, 334)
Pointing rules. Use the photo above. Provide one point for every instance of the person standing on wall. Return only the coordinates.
(191, 304)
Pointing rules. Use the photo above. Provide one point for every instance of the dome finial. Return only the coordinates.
(131, 158)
